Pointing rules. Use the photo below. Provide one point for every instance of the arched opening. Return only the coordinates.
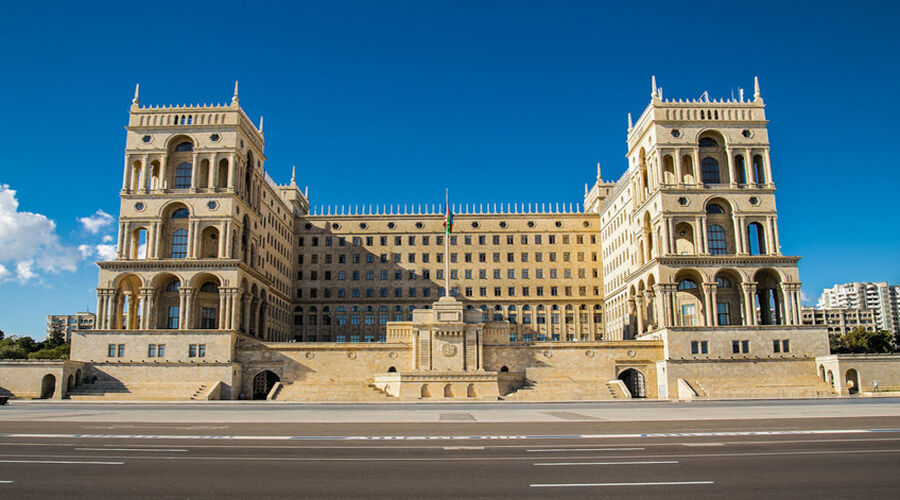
(831, 378)
(769, 301)
(759, 169)
(138, 244)
(207, 301)
(709, 168)
(203, 174)
(263, 383)
(245, 240)
(719, 227)
(263, 312)
(741, 169)
(684, 239)
(756, 239)
(504, 369)
(729, 299)
(174, 237)
(78, 377)
(181, 156)
(223, 174)
(713, 160)
(209, 243)
(634, 382)
(689, 299)
(687, 170)
(48, 386)
(126, 309)
(392, 369)
(70, 383)
(470, 391)
(424, 392)
(448, 391)
(822, 373)
(852, 379)
(248, 176)
(669, 170)
(168, 301)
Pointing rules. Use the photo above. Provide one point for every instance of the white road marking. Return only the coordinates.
(5, 482)
(463, 447)
(58, 462)
(612, 463)
(129, 449)
(452, 438)
(701, 445)
(663, 483)
(584, 449)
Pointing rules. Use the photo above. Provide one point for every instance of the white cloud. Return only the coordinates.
(29, 243)
(101, 252)
(107, 238)
(94, 223)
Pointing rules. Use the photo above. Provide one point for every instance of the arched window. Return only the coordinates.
(687, 284)
(209, 287)
(708, 142)
(723, 282)
(173, 286)
(710, 170)
(715, 235)
(179, 244)
(183, 175)
(184, 146)
(181, 213)
(759, 170)
(712, 208)
(741, 169)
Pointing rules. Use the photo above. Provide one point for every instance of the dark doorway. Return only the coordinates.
(634, 381)
(263, 383)
(48, 386)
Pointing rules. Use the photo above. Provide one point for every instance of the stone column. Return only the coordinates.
(739, 235)
(639, 312)
(126, 175)
(121, 243)
(749, 304)
(767, 167)
(229, 241)
(111, 311)
(651, 306)
(699, 235)
(679, 168)
(751, 170)
(192, 236)
(775, 235)
(195, 167)
(732, 170)
(695, 160)
(711, 289)
(231, 172)
(247, 304)
(144, 175)
(163, 172)
(100, 316)
(213, 174)
(770, 241)
(152, 241)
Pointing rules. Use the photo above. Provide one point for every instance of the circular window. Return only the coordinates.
(558, 224)
(676, 132)
(215, 137)
(138, 206)
(363, 225)
(308, 225)
(754, 200)
(146, 138)
(391, 225)
(212, 205)
(682, 201)
(746, 133)
(530, 223)
(419, 225)
(335, 226)
(502, 224)
(474, 224)
(586, 224)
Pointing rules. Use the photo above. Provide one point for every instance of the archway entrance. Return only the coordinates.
(48, 386)
(634, 381)
(852, 379)
(263, 383)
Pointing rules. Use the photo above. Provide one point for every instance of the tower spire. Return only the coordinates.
(137, 94)
(599, 177)
(234, 99)
(756, 95)
(630, 125)
(293, 175)
(260, 124)
(653, 92)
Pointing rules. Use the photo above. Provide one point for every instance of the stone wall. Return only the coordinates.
(869, 368)
(39, 379)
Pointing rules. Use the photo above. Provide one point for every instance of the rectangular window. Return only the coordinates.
(785, 345)
(208, 318)
(723, 313)
(776, 346)
(120, 350)
(179, 244)
(688, 314)
(111, 352)
(172, 318)
(151, 351)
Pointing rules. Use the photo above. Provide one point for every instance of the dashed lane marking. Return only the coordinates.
(579, 485)
(80, 462)
(648, 462)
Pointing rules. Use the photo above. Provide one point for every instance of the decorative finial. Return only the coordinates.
(260, 124)
(599, 177)
(234, 100)
(293, 175)
(630, 125)
(137, 94)
(756, 94)
(653, 94)
(585, 189)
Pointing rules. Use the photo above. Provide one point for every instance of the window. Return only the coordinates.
(723, 313)
(699, 347)
(156, 350)
(783, 345)
(208, 318)
(687, 284)
(184, 146)
(723, 282)
(197, 351)
(716, 238)
(713, 208)
(181, 213)
(710, 170)
(183, 175)
(172, 318)
(179, 244)
(688, 314)
(707, 142)
(740, 346)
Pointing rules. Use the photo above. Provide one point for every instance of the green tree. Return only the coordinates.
(55, 338)
(859, 340)
(58, 352)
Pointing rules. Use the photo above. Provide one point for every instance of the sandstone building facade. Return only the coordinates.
(668, 283)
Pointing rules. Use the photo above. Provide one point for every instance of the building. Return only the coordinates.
(68, 323)
(668, 283)
(838, 320)
(881, 297)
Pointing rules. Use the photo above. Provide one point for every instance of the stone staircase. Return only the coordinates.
(350, 390)
(116, 391)
(565, 389)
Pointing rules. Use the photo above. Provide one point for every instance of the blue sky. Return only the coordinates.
(500, 101)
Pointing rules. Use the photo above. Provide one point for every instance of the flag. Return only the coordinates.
(448, 220)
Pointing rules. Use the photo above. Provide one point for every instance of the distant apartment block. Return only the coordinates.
(838, 320)
(71, 322)
(882, 298)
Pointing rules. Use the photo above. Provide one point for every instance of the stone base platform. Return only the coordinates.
(430, 385)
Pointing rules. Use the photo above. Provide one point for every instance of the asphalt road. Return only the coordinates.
(744, 458)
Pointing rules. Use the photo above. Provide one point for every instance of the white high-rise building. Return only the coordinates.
(883, 298)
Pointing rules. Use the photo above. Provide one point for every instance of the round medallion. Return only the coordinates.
(310, 355)
(449, 350)
(547, 354)
(631, 353)
(139, 206)
(589, 354)
(351, 355)
(392, 355)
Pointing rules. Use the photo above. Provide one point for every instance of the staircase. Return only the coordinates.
(114, 390)
(200, 393)
(331, 390)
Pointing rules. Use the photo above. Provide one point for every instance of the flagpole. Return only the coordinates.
(447, 242)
